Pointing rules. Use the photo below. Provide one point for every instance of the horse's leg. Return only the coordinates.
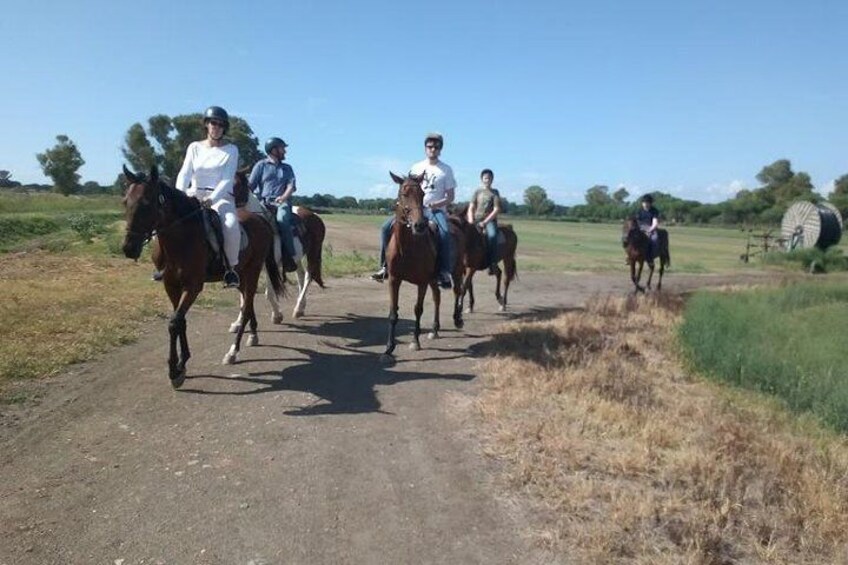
(303, 281)
(276, 313)
(638, 277)
(437, 302)
(457, 303)
(419, 309)
(470, 286)
(509, 274)
(498, 297)
(248, 315)
(234, 327)
(394, 289)
(177, 330)
(659, 279)
(650, 274)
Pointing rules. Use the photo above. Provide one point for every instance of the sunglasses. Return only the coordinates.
(431, 146)
(216, 123)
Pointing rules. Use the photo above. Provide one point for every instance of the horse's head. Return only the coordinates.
(632, 235)
(143, 204)
(409, 209)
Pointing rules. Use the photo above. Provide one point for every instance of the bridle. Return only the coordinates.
(147, 235)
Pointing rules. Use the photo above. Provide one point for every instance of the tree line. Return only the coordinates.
(162, 143)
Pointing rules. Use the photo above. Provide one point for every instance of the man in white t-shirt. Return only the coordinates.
(439, 190)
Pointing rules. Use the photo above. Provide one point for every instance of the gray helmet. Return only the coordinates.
(274, 142)
(216, 113)
(437, 137)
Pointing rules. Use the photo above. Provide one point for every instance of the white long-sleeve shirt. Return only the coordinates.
(209, 167)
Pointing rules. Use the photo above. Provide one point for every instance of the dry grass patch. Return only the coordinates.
(630, 460)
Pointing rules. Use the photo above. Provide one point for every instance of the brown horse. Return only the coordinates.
(411, 256)
(181, 253)
(475, 258)
(636, 245)
(308, 244)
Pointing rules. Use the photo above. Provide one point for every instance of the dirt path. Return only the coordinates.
(307, 451)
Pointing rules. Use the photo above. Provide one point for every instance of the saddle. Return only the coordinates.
(215, 241)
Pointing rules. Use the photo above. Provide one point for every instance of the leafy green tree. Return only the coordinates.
(620, 196)
(839, 196)
(598, 195)
(164, 142)
(61, 163)
(536, 200)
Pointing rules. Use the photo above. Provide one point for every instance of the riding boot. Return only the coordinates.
(289, 266)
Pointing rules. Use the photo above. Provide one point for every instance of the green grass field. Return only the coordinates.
(570, 246)
(782, 341)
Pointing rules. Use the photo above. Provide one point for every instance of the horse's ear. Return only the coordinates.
(154, 175)
(397, 179)
(417, 178)
(129, 175)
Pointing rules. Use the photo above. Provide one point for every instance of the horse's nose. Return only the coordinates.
(419, 227)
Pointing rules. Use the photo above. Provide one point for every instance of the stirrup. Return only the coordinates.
(380, 275)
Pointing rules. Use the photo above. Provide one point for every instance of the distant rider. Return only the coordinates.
(648, 219)
(483, 211)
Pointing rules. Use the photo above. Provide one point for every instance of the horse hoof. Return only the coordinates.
(415, 346)
(298, 314)
(433, 335)
(469, 311)
(502, 308)
(387, 359)
(229, 359)
(179, 379)
(252, 340)
(234, 328)
(458, 324)
(276, 319)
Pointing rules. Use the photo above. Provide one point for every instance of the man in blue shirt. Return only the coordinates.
(649, 221)
(273, 182)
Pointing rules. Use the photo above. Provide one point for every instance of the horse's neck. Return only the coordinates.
(179, 233)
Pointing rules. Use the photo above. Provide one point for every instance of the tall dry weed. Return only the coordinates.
(628, 459)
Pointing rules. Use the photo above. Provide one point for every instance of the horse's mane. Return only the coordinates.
(183, 204)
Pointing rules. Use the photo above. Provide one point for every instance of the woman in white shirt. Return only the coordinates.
(208, 173)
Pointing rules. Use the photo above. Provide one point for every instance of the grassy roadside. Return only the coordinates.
(626, 458)
(781, 341)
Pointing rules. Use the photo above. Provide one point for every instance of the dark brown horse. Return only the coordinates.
(475, 259)
(636, 245)
(180, 251)
(309, 244)
(411, 256)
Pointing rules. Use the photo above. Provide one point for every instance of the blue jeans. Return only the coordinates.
(284, 222)
(492, 243)
(445, 243)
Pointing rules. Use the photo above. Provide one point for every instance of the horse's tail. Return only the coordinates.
(510, 265)
(665, 254)
(315, 232)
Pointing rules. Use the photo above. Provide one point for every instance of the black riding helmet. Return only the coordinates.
(648, 198)
(274, 142)
(217, 113)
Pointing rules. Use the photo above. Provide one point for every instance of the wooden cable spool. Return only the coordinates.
(807, 225)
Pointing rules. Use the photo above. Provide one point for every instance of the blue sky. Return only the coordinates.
(692, 98)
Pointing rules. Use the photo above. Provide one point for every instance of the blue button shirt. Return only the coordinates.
(268, 179)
